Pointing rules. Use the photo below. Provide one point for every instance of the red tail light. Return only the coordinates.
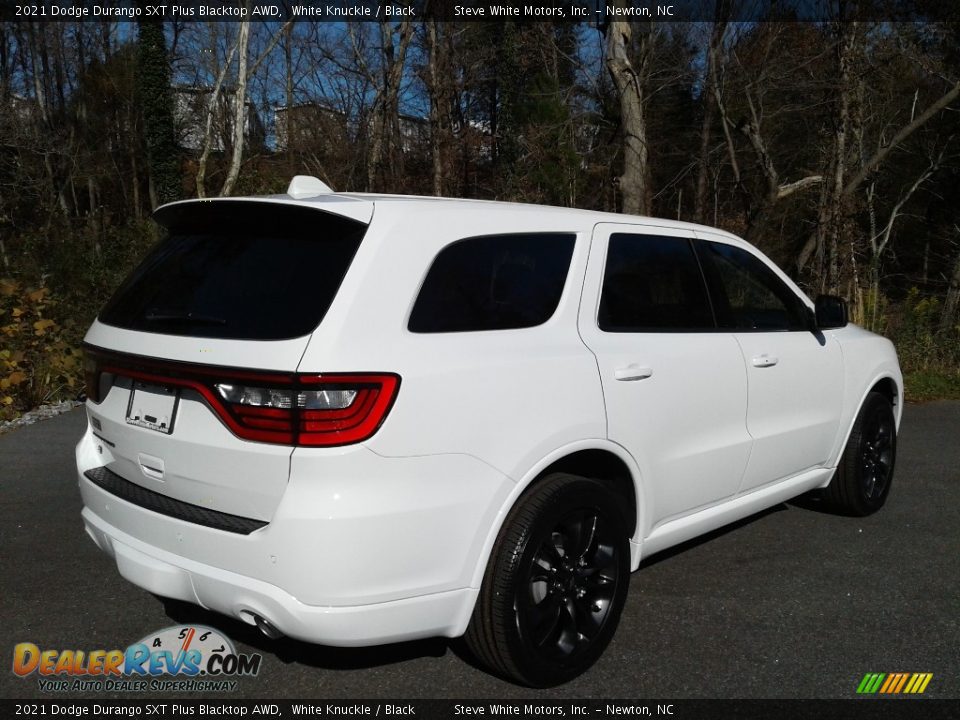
(281, 408)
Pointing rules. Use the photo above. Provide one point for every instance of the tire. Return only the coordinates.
(862, 481)
(555, 583)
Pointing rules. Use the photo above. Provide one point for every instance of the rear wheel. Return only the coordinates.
(862, 481)
(555, 583)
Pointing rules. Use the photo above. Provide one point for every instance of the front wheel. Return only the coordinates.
(555, 583)
(862, 481)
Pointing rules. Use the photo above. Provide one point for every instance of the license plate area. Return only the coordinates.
(153, 406)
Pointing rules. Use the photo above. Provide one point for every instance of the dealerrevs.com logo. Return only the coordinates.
(182, 658)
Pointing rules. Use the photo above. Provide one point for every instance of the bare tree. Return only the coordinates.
(949, 315)
(384, 148)
(239, 110)
(709, 95)
(630, 81)
(880, 240)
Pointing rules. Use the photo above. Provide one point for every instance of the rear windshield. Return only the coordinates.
(241, 270)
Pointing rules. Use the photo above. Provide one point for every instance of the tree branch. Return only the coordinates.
(880, 155)
(789, 188)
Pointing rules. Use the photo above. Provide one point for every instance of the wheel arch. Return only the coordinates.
(598, 459)
(887, 385)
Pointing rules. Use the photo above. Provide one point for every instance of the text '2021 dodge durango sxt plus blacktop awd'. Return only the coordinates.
(359, 419)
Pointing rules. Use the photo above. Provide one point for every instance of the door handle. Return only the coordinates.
(762, 361)
(632, 372)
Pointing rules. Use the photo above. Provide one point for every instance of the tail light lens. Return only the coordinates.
(91, 377)
(287, 409)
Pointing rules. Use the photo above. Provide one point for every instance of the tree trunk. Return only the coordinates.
(709, 100)
(385, 140)
(949, 316)
(208, 124)
(288, 68)
(436, 104)
(239, 111)
(630, 84)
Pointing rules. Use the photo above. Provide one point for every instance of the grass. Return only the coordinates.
(925, 385)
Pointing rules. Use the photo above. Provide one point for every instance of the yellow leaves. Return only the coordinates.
(41, 326)
(14, 378)
(38, 362)
(38, 295)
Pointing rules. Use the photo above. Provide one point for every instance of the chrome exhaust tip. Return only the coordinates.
(267, 627)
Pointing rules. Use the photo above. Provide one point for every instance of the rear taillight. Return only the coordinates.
(288, 409)
(91, 377)
(318, 410)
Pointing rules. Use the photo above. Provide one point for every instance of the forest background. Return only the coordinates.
(833, 146)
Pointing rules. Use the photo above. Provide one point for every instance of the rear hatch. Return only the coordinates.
(191, 366)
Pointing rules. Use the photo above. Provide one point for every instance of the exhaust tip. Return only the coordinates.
(267, 627)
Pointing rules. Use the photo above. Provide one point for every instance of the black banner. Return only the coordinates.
(596, 12)
(860, 709)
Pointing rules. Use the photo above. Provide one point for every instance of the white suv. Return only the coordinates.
(359, 419)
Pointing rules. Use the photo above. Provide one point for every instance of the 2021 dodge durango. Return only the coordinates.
(359, 419)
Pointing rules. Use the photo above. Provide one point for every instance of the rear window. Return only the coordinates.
(240, 270)
(496, 282)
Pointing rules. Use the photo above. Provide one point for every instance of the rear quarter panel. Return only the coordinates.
(508, 397)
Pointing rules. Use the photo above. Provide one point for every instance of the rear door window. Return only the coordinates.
(240, 270)
(495, 282)
(653, 283)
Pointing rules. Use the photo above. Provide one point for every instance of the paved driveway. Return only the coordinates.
(791, 603)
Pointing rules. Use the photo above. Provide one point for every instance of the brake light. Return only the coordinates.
(91, 377)
(319, 410)
(288, 409)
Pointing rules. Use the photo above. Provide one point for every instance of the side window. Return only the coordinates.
(652, 283)
(750, 296)
(496, 282)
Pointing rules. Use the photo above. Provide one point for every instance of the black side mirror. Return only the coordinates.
(831, 312)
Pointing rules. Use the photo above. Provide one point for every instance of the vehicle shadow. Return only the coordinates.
(814, 502)
(290, 651)
(710, 536)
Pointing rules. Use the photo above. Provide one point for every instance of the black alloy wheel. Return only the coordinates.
(571, 583)
(876, 452)
(555, 584)
(862, 481)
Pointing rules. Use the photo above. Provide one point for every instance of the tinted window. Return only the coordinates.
(750, 296)
(652, 283)
(232, 269)
(497, 282)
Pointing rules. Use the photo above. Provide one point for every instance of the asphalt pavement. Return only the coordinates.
(791, 603)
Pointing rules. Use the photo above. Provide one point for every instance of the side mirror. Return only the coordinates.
(831, 312)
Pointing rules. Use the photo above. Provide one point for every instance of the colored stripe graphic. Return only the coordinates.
(894, 683)
(870, 683)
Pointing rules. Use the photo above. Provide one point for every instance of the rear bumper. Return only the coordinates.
(361, 550)
(169, 575)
